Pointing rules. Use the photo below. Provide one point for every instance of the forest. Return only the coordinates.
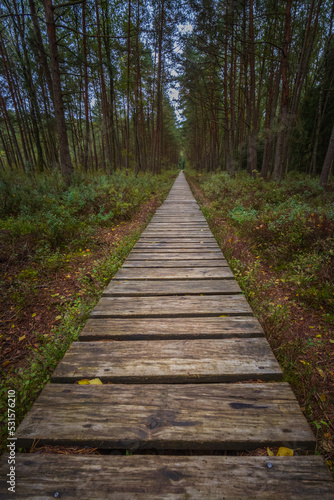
(102, 102)
(87, 85)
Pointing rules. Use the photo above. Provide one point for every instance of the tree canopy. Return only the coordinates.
(86, 84)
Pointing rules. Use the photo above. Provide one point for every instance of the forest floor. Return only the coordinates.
(278, 240)
(50, 282)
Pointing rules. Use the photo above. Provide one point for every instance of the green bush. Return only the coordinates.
(289, 225)
(44, 206)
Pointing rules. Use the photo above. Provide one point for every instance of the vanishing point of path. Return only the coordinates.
(189, 380)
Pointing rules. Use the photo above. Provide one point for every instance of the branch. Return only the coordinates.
(67, 4)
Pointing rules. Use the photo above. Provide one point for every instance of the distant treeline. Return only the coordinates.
(257, 86)
(84, 84)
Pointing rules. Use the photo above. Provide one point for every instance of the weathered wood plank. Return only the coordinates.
(171, 328)
(177, 239)
(174, 253)
(145, 477)
(169, 361)
(175, 263)
(174, 273)
(171, 287)
(179, 254)
(179, 219)
(178, 232)
(181, 416)
(171, 306)
(175, 246)
(178, 225)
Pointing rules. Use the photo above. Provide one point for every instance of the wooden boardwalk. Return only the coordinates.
(188, 380)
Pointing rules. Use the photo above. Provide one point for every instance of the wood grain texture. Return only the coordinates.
(169, 361)
(171, 306)
(207, 255)
(179, 219)
(133, 288)
(184, 233)
(175, 263)
(179, 416)
(177, 226)
(174, 273)
(177, 239)
(176, 478)
(154, 252)
(146, 477)
(180, 246)
(171, 328)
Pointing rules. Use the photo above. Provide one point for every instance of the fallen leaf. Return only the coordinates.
(33, 315)
(22, 338)
(284, 452)
(270, 453)
(57, 318)
(95, 381)
(323, 397)
(321, 372)
(6, 363)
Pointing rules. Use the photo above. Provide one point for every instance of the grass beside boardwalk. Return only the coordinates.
(59, 247)
(279, 241)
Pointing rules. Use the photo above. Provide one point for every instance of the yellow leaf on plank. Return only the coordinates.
(95, 381)
(270, 453)
(84, 381)
(284, 452)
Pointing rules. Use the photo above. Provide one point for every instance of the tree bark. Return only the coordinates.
(64, 150)
(326, 168)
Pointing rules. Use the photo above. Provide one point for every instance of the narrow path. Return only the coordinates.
(188, 380)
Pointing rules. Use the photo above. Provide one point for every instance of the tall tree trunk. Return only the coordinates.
(326, 168)
(86, 95)
(104, 100)
(281, 145)
(40, 48)
(252, 119)
(128, 89)
(64, 150)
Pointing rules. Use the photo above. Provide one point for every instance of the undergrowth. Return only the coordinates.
(279, 241)
(289, 226)
(59, 247)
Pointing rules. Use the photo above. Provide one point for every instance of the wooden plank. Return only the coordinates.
(146, 477)
(155, 250)
(180, 235)
(184, 232)
(175, 263)
(173, 238)
(171, 306)
(176, 255)
(177, 273)
(169, 361)
(171, 328)
(173, 416)
(179, 246)
(178, 225)
(135, 288)
(180, 218)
